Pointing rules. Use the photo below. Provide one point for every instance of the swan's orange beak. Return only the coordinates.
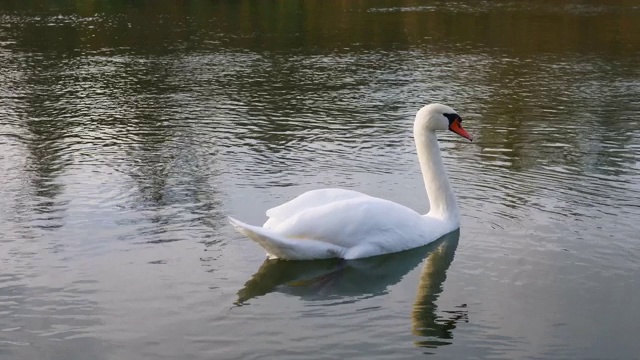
(457, 128)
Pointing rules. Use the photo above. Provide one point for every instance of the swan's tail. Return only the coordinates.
(278, 246)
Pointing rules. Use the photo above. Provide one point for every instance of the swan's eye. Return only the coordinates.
(452, 117)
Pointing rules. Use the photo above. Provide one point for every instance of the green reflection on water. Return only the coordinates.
(520, 27)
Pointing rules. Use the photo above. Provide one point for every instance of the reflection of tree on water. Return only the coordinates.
(158, 149)
(47, 312)
(365, 278)
(45, 142)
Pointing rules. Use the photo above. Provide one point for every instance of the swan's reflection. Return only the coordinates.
(334, 278)
(357, 279)
(435, 329)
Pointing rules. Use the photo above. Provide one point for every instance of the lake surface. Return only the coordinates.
(130, 130)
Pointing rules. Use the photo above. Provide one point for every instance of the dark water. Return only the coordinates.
(130, 130)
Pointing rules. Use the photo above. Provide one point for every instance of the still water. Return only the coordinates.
(130, 130)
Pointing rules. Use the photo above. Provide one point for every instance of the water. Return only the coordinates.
(129, 131)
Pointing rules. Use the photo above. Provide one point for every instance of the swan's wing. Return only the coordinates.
(381, 224)
(306, 201)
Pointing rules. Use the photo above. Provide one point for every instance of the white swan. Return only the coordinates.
(338, 223)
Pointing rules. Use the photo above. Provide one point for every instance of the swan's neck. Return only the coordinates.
(442, 201)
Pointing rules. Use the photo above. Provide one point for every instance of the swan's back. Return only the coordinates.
(308, 200)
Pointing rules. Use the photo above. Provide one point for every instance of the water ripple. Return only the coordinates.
(128, 133)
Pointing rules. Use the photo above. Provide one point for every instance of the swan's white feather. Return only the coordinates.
(351, 228)
(306, 201)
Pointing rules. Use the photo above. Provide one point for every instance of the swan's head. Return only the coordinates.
(440, 117)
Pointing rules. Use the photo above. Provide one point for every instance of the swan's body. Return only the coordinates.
(329, 223)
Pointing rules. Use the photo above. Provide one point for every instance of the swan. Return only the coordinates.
(339, 223)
